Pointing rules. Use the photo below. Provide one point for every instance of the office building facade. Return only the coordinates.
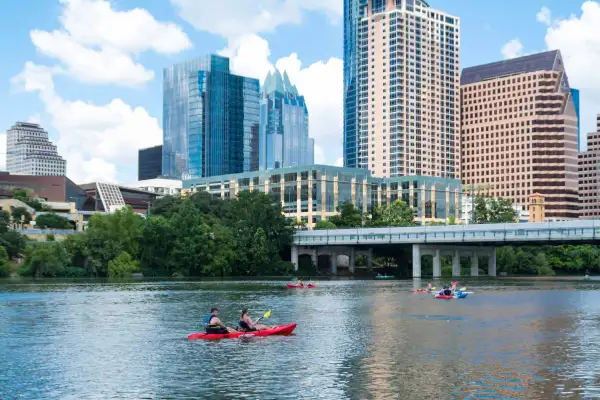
(313, 193)
(150, 163)
(210, 119)
(284, 140)
(589, 175)
(401, 88)
(29, 151)
(519, 132)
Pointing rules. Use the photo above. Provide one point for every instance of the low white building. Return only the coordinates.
(161, 187)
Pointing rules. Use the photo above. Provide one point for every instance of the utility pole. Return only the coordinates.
(472, 203)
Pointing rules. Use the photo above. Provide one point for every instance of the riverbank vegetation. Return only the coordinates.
(197, 236)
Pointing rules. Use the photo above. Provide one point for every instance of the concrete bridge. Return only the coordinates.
(458, 241)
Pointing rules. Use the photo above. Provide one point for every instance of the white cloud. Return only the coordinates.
(34, 119)
(95, 23)
(94, 139)
(321, 83)
(96, 44)
(578, 39)
(544, 16)
(232, 18)
(512, 49)
(88, 65)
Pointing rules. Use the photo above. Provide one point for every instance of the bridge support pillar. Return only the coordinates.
(492, 263)
(315, 258)
(437, 264)
(456, 264)
(333, 257)
(416, 257)
(474, 265)
(370, 259)
(352, 261)
(295, 257)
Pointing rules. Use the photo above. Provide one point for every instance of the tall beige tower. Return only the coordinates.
(402, 114)
(519, 132)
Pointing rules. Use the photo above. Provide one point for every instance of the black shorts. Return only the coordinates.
(216, 331)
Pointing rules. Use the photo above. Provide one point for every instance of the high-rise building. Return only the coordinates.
(589, 175)
(150, 163)
(284, 140)
(401, 88)
(30, 152)
(210, 119)
(519, 132)
(575, 94)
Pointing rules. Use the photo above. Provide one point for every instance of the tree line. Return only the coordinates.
(197, 236)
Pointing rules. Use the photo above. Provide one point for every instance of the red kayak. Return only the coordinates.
(277, 330)
(296, 286)
(443, 296)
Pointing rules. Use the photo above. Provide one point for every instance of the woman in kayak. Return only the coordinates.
(214, 324)
(247, 325)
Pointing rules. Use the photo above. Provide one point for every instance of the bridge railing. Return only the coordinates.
(535, 232)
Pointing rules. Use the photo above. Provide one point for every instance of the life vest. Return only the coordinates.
(207, 323)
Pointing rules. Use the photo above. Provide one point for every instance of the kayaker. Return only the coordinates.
(300, 283)
(247, 325)
(214, 324)
(447, 291)
(429, 286)
(310, 283)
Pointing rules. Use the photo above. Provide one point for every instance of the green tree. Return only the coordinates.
(166, 206)
(157, 244)
(396, 214)
(77, 250)
(348, 217)
(4, 271)
(506, 259)
(14, 242)
(490, 210)
(123, 266)
(325, 224)
(481, 210)
(46, 259)
(20, 214)
(452, 220)
(109, 235)
(541, 265)
(4, 221)
(53, 221)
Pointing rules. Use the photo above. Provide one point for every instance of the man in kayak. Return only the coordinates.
(214, 324)
(247, 325)
(447, 291)
(429, 286)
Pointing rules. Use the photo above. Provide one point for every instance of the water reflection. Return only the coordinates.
(355, 340)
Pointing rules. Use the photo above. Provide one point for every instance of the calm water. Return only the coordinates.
(355, 340)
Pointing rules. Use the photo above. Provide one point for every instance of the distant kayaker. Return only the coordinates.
(447, 291)
(247, 325)
(311, 283)
(214, 324)
(429, 286)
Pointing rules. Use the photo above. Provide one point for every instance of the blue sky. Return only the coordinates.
(91, 70)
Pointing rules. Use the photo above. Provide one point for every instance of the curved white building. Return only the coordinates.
(30, 152)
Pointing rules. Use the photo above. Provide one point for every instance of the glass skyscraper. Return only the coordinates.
(284, 140)
(210, 119)
(401, 88)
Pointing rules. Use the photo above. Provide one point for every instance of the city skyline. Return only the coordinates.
(118, 106)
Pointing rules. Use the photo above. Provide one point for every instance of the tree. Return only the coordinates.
(53, 221)
(20, 214)
(107, 236)
(157, 244)
(122, 266)
(325, 224)
(4, 271)
(541, 265)
(452, 220)
(396, 214)
(349, 217)
(493, 210)
(166, 206)
(46, 259)
(14, 242)
(506, 259)
(481, 210)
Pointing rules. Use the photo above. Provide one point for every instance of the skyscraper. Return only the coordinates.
(149, 163)
(284, 140)
(210, 119)
(401, 88)
(30, 152)
(519, 132)
(589, 175)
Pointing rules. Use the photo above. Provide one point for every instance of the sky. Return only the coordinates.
(90, 71)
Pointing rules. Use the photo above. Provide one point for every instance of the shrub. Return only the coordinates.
(50, 237)
(122, 266)
(52, 221)
(4, 271)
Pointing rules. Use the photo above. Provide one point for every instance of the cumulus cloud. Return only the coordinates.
(94, 139)
(544, 16)
(512, 49)
(578, 39)
(34, 119)
(96, 43)
(321, 83)
(232, 18)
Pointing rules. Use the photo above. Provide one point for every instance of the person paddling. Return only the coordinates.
(247, 325)
(214, 324)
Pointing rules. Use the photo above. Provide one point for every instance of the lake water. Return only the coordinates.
(354, 340)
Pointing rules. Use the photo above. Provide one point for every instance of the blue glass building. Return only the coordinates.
(210, 119)
(575, 95)
(284, 140)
